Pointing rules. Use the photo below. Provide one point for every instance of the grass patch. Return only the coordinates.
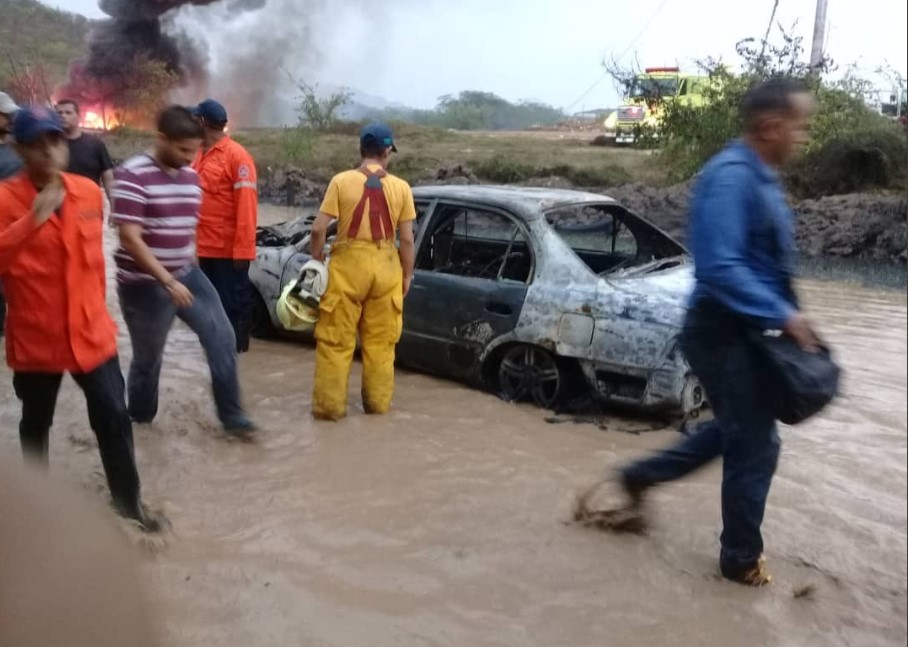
(501, 157)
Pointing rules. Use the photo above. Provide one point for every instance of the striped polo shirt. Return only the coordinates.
(166, 206)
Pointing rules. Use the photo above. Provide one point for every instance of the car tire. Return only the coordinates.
(693, 397)
(261, 324)
(528, 373)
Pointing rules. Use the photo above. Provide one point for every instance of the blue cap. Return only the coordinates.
(211, 111)
(377, 134)
(33, 122)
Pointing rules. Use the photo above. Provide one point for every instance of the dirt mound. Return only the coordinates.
(666, 207)
(458, 174)
(291, 186)
(859, 225)
(854, 226)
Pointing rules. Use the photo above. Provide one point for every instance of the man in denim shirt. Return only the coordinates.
(742, 239)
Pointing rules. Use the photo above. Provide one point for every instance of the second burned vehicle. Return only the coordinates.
(533, 293)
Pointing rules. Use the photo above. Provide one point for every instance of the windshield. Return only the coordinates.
(645, 87)
(610, 239)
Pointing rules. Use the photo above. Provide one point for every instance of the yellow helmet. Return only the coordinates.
(297, 307)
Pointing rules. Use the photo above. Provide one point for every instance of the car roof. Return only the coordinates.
(524, 199)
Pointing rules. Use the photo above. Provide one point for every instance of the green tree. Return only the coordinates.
(316, 111)
(852, 147)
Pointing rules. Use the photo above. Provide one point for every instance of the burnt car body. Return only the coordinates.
(535, 293)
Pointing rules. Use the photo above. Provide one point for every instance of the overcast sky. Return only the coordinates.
(551, 50)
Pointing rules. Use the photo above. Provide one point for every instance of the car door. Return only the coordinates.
(473, 266)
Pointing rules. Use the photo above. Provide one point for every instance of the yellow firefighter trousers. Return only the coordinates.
(365, 295)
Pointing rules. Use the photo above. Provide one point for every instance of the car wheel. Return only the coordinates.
(693, 397)
(262, 327)
(530, 373)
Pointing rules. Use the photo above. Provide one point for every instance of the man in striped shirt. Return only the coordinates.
(156, 201)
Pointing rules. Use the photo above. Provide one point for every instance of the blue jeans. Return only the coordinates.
(744, 433)
(149, 313)
(231, 280)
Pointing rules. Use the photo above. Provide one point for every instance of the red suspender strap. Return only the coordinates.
(379, 212)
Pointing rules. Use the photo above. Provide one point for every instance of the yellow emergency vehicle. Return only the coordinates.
(647, 96)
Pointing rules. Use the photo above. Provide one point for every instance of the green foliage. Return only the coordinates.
(852, 147)
(39, 42)
(317, 112)
(474, 110)
(504, 169)
(297, 144)
(868, 155)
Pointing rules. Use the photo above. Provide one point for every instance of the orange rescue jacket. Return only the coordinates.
(229, 213)
(54, 280)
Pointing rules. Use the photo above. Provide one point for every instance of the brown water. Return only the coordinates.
(444, 523)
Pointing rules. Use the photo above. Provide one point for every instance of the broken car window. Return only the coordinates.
(476, 243)
(597, 235)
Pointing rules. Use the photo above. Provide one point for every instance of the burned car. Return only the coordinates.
(533, 293)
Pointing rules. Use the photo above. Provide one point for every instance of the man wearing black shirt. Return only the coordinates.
(88, 155)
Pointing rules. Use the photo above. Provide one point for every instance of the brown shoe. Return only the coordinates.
(756, 576)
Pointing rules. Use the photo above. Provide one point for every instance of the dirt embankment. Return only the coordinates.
(865, 226)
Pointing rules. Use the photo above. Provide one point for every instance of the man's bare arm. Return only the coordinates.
(319, 236)
(407, 253)
(132, 241)
(107, 179)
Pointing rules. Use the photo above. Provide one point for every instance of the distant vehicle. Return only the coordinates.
(647, 96)
(537, 294)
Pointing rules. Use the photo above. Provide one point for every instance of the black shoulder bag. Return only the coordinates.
(800, 383)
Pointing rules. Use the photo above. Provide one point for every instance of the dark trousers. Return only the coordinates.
(149, 313)
(2, 313)
(231, 280)
(107, 414)
(744, 433)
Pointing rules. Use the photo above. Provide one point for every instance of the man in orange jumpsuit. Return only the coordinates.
(368, 277)
(228, 218)
(52, 268)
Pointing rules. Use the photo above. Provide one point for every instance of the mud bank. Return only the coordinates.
(855, 226)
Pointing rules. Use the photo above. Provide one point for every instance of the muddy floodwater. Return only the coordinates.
(446, 522)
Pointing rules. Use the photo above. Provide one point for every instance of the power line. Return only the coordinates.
(626, 50)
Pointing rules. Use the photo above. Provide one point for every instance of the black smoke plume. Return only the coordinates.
(140, 30)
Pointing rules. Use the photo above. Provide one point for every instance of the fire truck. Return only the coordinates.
(646, 98)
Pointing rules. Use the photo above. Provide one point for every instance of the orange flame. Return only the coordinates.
(94, 119)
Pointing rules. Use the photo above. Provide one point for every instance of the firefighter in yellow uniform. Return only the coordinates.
(368, 277)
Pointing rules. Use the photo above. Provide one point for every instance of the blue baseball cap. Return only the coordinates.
(377, 134)
(33, 122)
(211, 111)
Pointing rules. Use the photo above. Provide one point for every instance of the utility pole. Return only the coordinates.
(819, 37)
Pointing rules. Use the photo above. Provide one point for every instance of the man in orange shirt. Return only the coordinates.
(228, 218)
(52, 269)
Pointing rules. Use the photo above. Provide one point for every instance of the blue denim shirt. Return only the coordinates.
(742, 238)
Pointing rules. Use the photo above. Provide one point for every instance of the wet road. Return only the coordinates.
(444, 523)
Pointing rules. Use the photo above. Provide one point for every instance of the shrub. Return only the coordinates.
(872, 155)
(852, 147)
(602, 176)
(297, 144)
(503, 169)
